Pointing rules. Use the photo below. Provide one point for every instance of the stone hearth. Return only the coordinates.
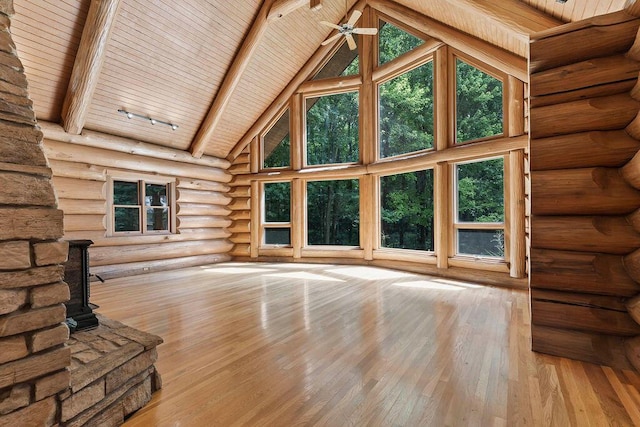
(112, 374)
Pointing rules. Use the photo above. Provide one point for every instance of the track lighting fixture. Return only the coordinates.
(153, 121)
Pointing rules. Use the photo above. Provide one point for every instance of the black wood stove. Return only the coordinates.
(80, 314)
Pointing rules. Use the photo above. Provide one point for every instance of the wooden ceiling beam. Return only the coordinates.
(282, 8)
(88, 64)
(483, 51)
(231, 80)
(514, 16)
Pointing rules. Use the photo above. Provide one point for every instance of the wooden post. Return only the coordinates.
(515, 107)
(88, 64)
(441, 79)
(368, 121)
(517, 218)
(298, 203)
(368, 205)
(256, 215)
(298, 132)
(255, 154)
(442, 210)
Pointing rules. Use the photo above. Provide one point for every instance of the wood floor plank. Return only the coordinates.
(307, 344)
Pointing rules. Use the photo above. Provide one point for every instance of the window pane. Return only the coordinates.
(125, 193)
(277, 236)
(406, 112)
(343, 63)
(407, 210)
(157, 219)
(481, 191)
(481, 242)
(333, 213)
(156, 195)
(332, 129)
(276, 144)
(277, 202)
(127, 219)
(394, 42)
(478, 103)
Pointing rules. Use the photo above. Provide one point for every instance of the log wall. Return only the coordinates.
(585, 198)
(80, 174)
(240, 207)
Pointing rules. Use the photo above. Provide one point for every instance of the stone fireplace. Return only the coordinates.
(96, 377)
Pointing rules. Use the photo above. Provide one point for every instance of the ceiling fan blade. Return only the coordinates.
(367, 31)
(331, 39)
(354, 17)
(351, 42)
(329, 24)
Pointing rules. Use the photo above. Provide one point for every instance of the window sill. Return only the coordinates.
(333, 252)
(480, 263)
(411, 255)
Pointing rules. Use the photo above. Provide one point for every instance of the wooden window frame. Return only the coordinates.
(266, 130)
(141, 180)
(454, 55)
(457, 225)
(264, 224)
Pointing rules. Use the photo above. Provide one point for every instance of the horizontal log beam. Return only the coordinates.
(593, 72)
(588, 149)
(184, 195)
(601, 349)
(94, 139)
(109, 255)
(115, 159)
(202, 221)
(581, 272)
(608, 35)
(605, 234)
(587, 191)
(586, 93)
(581, 318)
(604, 113)
(134, 268)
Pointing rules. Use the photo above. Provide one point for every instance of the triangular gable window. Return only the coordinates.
(394, 42)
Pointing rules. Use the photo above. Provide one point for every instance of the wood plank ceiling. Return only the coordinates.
(168, 60)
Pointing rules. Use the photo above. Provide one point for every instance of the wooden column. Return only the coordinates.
(368, 119)
(441, 79)
(515, 107)
(256, 213)
(298, 131)
(369, 201)
(298, 202)
(442, 220)
(88, 64)
(517, 240)
(255, 155)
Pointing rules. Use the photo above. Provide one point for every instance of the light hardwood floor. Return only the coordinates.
(300, 344)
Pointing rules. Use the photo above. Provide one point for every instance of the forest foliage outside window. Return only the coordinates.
(277, 213)
(479, 104)
(394, 42)
(406, 112)
(407, 210)
(276, 144)
(332, 129)
(333, 212)
(141, 207)
(480, 208)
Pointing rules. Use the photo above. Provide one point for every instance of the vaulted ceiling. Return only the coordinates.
(169, 59)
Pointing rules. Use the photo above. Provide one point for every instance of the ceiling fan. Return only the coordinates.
(348, 30)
